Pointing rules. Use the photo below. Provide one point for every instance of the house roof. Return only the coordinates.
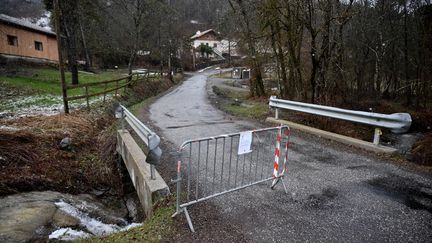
(199, 33)
(24, 24)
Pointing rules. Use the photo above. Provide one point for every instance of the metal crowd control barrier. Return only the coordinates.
(150, 138)
(213, 166)
(397, 122)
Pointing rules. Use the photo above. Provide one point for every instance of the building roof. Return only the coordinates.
(24, 24)
(199, 33)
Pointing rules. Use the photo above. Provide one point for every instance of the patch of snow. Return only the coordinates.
(43, 21)
(35, 105)
(8, 128)
(68, 234)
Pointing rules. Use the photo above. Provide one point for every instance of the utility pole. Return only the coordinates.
(60, 56)
(169, 47)
(193, 57)
(169, 62)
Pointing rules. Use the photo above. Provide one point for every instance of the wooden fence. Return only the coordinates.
(108, 86)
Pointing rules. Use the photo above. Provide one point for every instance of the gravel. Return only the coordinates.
(335, 193)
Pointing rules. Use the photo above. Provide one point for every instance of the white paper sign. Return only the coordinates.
(245, 143)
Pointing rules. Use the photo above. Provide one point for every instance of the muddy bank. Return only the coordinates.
(60, 177)
(30, 147)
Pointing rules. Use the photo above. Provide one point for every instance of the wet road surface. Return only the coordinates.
(335, 194)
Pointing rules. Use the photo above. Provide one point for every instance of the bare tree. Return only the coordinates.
(256, 82)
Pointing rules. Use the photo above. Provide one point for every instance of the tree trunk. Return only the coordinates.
(70, 22)
(160, 48)
(88, 63)
(312, 78)
(407, 81)
(287, 86)
(229, 52)
(273, 43)
(256, 82)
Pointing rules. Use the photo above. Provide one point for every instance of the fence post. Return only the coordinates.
(105, 88)
(116, 91)
(87, 97)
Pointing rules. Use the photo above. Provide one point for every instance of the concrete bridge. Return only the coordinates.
(148, 183)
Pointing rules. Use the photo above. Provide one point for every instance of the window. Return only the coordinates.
(214, 45)
(38, 46)
(12, 40)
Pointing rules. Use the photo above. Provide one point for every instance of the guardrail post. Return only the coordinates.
(276, 113)
(122, 120)
(377, 135)
(152, 172)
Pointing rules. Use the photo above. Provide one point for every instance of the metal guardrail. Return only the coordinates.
(150, 138)
(397, 122)
(213, 166)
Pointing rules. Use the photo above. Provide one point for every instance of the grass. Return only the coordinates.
(230, 93)
(46, 80)
(224, 75)
(39, 87)
(250, 109)
(238, 104)
(158, 228)
(136, 108)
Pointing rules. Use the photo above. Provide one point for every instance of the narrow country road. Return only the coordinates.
(335, 193)
(186, 113)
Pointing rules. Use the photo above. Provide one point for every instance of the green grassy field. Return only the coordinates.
(239, 104)
(39, 88)
(47, 80)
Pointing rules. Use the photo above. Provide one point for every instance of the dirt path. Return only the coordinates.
(335, 194)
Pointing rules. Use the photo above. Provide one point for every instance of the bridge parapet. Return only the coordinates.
(149, 190)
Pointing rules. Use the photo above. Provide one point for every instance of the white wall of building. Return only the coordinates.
(210, 43)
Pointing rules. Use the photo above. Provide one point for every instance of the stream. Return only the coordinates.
(35, 216)
(49, 215)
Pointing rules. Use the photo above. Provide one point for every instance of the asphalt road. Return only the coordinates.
(335, 194)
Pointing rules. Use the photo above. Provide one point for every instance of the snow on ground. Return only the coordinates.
(34, 105)
(43, 21)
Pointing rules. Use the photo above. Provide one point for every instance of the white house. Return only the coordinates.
(208, 37)
(212, 38)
